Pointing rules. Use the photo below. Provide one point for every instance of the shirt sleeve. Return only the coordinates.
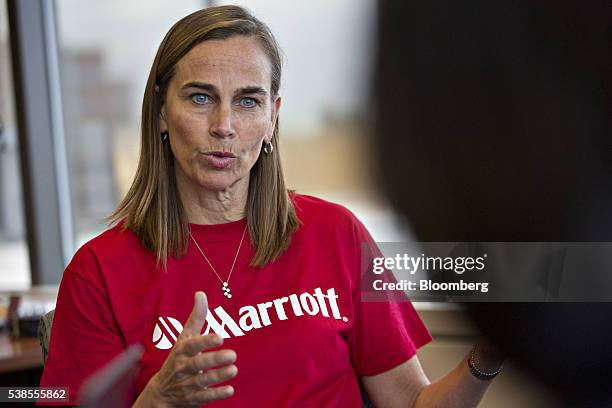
(387, 331)
(84, 335)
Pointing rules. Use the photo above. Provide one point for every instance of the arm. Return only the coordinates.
(407, 385)
(384, 340)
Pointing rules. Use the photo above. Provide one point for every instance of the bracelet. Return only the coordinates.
(481, 375)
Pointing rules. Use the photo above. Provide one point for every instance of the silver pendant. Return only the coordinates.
(226, 290)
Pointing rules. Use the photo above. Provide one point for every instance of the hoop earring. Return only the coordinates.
(164, 136)
(268, 148)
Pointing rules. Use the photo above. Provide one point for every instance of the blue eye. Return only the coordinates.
(200, 99)
(248, 102)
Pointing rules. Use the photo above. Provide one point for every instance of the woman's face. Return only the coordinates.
(218, 111)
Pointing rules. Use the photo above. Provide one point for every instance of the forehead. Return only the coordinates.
(237, 61)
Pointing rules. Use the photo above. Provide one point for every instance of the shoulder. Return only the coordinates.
(113, 240)
(321, 214)
(310, 208)
(116, 243)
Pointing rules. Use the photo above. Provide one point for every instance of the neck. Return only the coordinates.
(205, 206)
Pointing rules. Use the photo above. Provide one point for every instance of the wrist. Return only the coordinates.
(484, 361)
(150, 396)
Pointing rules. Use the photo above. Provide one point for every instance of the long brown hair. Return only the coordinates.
(152, 207)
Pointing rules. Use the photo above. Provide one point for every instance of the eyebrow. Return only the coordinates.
(213, 89)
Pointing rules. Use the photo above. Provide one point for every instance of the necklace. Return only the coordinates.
(225, 283)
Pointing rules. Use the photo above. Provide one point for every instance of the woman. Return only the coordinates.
(208, 211)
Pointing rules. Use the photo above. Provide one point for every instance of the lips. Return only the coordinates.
(220, 160)
(222, 154)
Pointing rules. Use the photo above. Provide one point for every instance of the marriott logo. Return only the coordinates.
(167, 329)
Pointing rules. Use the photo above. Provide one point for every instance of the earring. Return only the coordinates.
(268, 148)
(164, 136)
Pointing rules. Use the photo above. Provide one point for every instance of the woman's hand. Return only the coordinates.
(184, 377)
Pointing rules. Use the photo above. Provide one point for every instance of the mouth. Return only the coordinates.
(221, 154)
(219, 160)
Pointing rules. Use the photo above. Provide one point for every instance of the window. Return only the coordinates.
(14, 262)
(104, 70)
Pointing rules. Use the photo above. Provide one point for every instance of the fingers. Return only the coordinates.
(211, 377)
(195, 322)
(217, 375)
(197, 387)
(188, 370)
(205, 361)
(212, 394)
(193, 345)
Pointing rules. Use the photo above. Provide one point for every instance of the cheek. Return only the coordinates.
(186, 136)
(253, 143)
(188, 127)
(253, 127)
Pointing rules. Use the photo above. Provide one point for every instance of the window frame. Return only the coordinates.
(42, 150)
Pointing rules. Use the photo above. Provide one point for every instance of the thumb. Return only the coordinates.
(196, 319)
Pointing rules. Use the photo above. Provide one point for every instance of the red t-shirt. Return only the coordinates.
(307, 348)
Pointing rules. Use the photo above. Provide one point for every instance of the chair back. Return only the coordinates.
(44, 333)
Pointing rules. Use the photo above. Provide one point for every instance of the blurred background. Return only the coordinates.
(78, 84)
(104, 52)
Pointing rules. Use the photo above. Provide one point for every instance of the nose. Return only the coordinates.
(221, 122)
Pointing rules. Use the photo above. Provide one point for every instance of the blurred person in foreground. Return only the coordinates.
(208, 211)
(493, 124)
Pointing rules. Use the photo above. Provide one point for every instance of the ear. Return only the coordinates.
(163, 126)
(275, 109)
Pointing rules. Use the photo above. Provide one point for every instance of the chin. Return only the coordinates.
(217, 182)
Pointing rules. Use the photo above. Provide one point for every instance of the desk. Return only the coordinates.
(19, 355)
(25, 354)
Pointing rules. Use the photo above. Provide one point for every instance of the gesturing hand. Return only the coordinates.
(186, 377)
